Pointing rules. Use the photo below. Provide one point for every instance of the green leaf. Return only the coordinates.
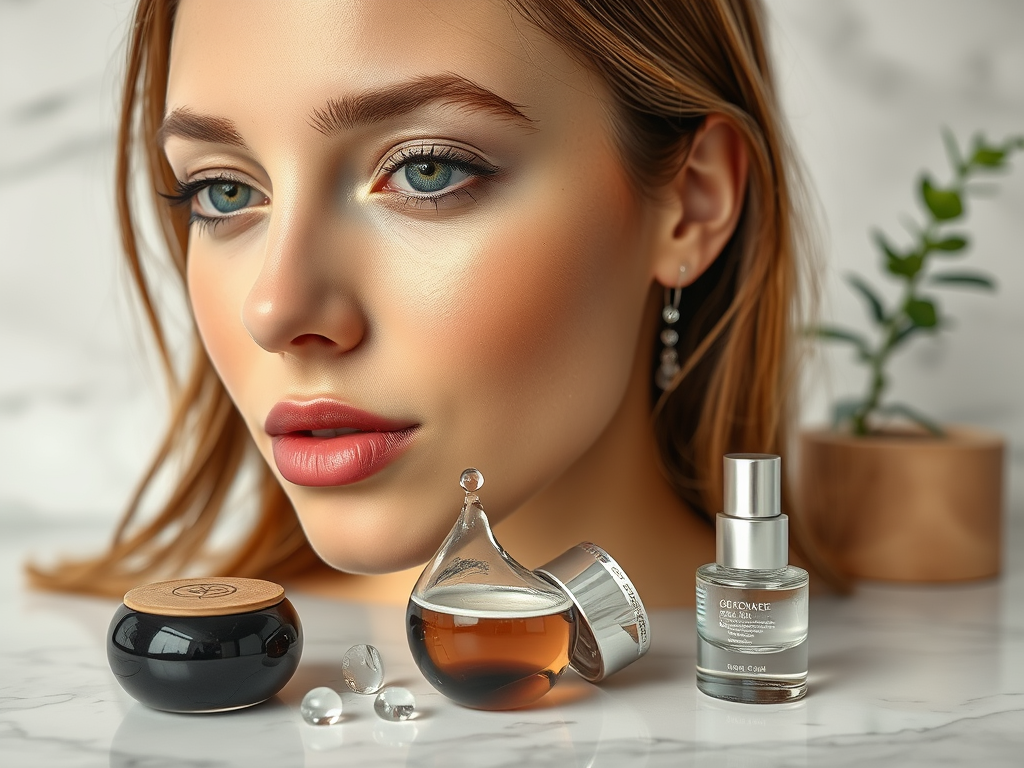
(922, 313)
(987, 155)
(899, 409)
(906, 266)
(988, 158)
(865, 290)
(971, 279)
(948, 244)
(944, 204)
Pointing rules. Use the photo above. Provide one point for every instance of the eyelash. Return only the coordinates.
(430, 153)
(185, 191)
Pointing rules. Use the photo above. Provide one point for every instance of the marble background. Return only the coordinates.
(866, 84)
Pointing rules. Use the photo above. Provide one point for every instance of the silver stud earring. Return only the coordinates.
(669, 336)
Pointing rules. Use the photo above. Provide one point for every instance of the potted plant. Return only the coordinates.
(890, 492)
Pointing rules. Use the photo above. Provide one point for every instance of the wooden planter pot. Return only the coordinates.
(902, 507)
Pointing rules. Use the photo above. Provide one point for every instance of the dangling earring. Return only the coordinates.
(669, 336)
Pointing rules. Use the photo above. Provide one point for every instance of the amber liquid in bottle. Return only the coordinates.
(488, 659)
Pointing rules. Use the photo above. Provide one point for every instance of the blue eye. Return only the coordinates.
(228, 197)
(216, 200)
(427, 176)
(429, 172)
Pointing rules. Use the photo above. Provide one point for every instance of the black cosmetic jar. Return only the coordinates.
(204, 645)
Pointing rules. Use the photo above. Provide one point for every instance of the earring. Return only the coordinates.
(669, 336)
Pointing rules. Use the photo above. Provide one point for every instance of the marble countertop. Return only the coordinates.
(901, 676)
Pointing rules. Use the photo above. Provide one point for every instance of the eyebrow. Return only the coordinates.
(347, 112)
(187, 124)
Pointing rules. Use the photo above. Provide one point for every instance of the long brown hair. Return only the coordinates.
(668, 64)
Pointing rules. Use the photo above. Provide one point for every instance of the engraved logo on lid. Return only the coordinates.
(204, 596)
(205, 590)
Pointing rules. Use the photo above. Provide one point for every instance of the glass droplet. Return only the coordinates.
(321, 706)
(669, 337)
(394, 703)
(472, 480)
(363, 669)
(670, 314)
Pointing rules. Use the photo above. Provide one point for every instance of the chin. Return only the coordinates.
(364, 539)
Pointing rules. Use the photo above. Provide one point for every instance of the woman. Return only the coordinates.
(418, 237)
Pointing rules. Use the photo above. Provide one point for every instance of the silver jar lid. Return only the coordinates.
(613, 629)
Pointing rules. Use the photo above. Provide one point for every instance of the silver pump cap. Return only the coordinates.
(613, 628)
(751, 532)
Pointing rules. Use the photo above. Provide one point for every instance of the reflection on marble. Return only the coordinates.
(144, 736)
(899, 676)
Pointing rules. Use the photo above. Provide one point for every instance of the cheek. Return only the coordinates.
(217, 285)
(526, 331)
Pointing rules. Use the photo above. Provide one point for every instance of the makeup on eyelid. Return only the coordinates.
(416, 163)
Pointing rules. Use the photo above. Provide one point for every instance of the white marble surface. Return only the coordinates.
(899, 676)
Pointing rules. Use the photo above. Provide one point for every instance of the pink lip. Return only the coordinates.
(327, 461)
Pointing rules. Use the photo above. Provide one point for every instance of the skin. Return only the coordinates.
(512, 321)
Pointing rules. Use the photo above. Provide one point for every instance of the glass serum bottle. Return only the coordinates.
(490, 634)
(751, 604)
(485, 631)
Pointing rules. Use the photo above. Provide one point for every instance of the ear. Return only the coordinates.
(701, 205)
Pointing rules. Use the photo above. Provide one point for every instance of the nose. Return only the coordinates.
(303, 301)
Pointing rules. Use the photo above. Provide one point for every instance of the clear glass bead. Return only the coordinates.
(363, 669)
(472, 480)
(669, 337)
(394, 703)
(321, 706)
(670, 314)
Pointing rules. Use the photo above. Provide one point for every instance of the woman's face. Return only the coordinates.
(414, 250)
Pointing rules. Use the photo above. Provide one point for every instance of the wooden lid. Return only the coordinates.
(213, 596)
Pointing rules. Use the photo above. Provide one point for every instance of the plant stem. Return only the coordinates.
(899, 319)
(942, 206)
(877, 363)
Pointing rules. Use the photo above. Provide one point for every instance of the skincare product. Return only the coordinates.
(490, 634)
(752, 605)
(612, 626)
(204, 644)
